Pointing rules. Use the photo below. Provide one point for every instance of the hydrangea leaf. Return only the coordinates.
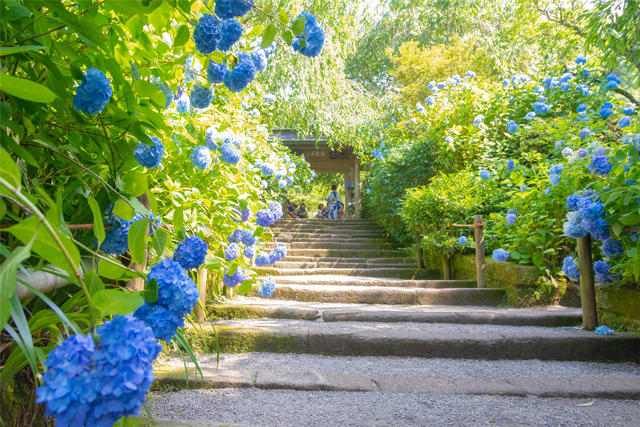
(85, 28)
(135, 183)
(114, 301)
(137, 243)
(255, 31)
(98, 225)
(10, 50)
(151, 291)
(182, 36)
(26, 89)
(268, 36)
(288, 37)
(537, 259)
(178, 219)
(114, 270)
(159, 241)
(8, 277)
(9, 171)
(232, 268)
(93, 282)
(144, 89)
(245, 287)
(123, 210)
(298, 26)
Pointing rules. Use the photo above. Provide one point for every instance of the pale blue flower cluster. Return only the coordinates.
(478, 119)
(419, 108)
(190, 252)
(603, 273)
(570, 269)
(259, 59)
(242, 74)
(625, 121)
(184, 104)
(235, 279)
(201, 96)
(313, 36)
(429, 100)
(530, 116)
(249, 251)
(89, 385)
(177, 295)
(93, 93)
(267, 287)
(230, 154)
(231, 33)
(485, 174)
(167, 92)
(462, 240)
(511, 219)
(511, 165)
(584, 133)
(554, 174)
(512, 126)
(567, 152)
(149, 156)
(265, 217)
(201, 157)
(500, 255)
(227, 9)
(587, 216)
(540, 108)
(207, 34)
(232, 252)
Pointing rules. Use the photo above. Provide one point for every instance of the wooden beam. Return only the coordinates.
(587, 288)
(357, 191)
(347, 195)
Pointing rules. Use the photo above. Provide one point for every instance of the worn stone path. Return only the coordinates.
(356, 335)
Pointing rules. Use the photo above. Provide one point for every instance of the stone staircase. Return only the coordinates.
(351, 309)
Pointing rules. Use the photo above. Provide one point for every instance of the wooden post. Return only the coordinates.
(137, 284)
(357, 190)
(481, 273)
(446, 267)
(419, 254)
(347, 195)
(202, 286)
(587, 288)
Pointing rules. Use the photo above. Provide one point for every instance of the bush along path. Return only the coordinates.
(383, 326)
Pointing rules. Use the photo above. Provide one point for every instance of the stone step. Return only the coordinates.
(394, 273)
(332, 229)
(408, 261)
(387, 295)
(434, 340)
(288, 239)
(347, 253)
(313, 380)
(254, 308)
(372, 281)
(333, 245)
(339, 264)
(328, 235)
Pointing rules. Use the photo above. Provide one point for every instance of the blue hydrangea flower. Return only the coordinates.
(264, 218)
(263, 259)
(523, 187)
(613, 78)
(505, 83)
(581, 108)
(462, 240)
(270, 98)
(511, 165)
(246, 214)
(556, 169)
(584, 133)
(570, 269)
(227, 9)
(201, 157)
(93, 93)
(449, 139)
(212, 138)
(604, 276)
(249, 251)
(248, 238)
(413, 120)
(313, 36)
(598, 228)
(134, 71)
(612, 248)
(267, 169)
(565, 86)
(259, 59)
(242, 74)
(582, 152)
(167, 92)
(149, 156)
(235, 279)
(264, 184)
(267, 287)
(478, 119)
(606, 112)
(232, 252)
(530, 116)
(625, 121)
(216, 72)
(511, 219)
(282, 183)
(547, 191)
(500, 255)
(558, 144)
(230, 154)
(591, 212)
(470, 74)
(268, 51)
(512, 126)
(607, 104)
(538, 89)
(612, 84)
(279, 253)
(190, 252)
(201, 96)
(567, 152)
(207, 34)
(231, 33)
(581, 59)
(236, 236)
(554, 179)
(419, 108)
(430, 100)
(629, 110)
(600, 165)
(574, 229)
(441, 85)
(96, 386)
(184, 104)
(485, 174)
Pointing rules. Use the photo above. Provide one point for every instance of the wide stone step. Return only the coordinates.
(288, 239)
(260, 308)
(347, 253)
(434, 340)
(332, 229)
(387, 295)
(394, 273)
(409, 261)
(333, 245)
(305, 236)
(373, 281)
(339, 264)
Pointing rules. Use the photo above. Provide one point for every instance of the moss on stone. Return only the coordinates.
(18, 403)
(618, 323)
(241, 340)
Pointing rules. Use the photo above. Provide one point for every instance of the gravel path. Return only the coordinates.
(409, 327)
(286, 408)
(416, 366)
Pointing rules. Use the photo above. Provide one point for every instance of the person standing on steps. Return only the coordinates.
(334, 203)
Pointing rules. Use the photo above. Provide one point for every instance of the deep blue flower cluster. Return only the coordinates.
(207, 34)
(248, 239)
(267, 170)
(603, 273)
(231, 33)
(581, 60)
(259, 59)
(429, 100)
(177, 295)
(230, 154)
(201, 96)
(227, 9)
(216, 72)
(265, 217)
(93, 93)
(116, 240)
(190, 252)
(500, 255)
(581, 108)
(612, 248)
(313, 36)
(242, 74)
(629, 110)
(511, 219)
(201, 157)
(613, 81)
(570, 269)
(625, 121)
(540, 108)
(236, 236)
(587, 216)
(511, 165)
(600, 165)
(235, 279)
(232, 252)
(149, 156)
(485, 174)
(462, 240)
(263, 259)
(267, 287)
(512, 126)
(89, 386)
(606, 112)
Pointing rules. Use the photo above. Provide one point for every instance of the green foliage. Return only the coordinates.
(430, 211)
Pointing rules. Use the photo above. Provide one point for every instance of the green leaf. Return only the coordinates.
(26, 89)
(266, 10)
(153, 202)
(114, 301)
(537, 259)
(298, 26)
(630, 219)
(113, 270)
(232, 269)
(288, 37)
(10, 50)
(182, 36)
(13, 11)
(8, 277)
(135, 183)
(144, 89)
(617, 227)
(178, 219)
(514, 254)
(3, 208)
(9, 171)
(243, 204)
(283, 16)
(83, 26)
(159, 241)
(255, 31)
(45, 245)
(93, 282)
(150, 293)
(98, 225)
(245, 287)
(268, 36)
(76, 72)
(136, 239)
(123, 210)
(218, 57)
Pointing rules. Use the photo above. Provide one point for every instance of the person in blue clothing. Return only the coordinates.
(334, 203)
